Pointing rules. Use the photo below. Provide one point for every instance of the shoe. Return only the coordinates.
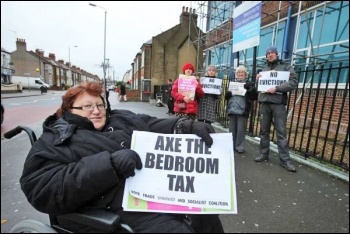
(261, 158)
(240, 151)
(289, 166)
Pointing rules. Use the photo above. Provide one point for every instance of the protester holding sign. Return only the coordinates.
(206, 113)
(272, 108)
(83, 157)
(186, 93)
(238, 107)
(207, 105)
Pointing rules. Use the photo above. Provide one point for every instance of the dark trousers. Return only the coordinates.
(142, 223)
(237, 128)
(159, 223)
(278, 114)
(206, 223)
(170, 106)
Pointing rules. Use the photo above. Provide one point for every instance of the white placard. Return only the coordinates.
(211, 85)
(270, 79)
(237, 88)
(181, 174)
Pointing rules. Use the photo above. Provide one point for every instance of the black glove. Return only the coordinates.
(199, 128)
(249, 85)
(228, 95)
(125, 161)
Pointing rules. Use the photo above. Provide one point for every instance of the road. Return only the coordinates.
(25, 111)
(29, 110)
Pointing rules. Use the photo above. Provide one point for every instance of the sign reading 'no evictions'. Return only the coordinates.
(270, 79)
(211, 85)
(181, 174)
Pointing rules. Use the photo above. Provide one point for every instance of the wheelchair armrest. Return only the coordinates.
(98, 219)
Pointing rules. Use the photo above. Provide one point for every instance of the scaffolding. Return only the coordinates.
(321, 65)
(216, 42)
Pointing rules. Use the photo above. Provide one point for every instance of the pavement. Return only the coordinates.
(270, 199)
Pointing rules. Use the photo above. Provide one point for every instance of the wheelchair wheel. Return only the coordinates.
(31, 226)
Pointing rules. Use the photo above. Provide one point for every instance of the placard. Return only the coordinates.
(237, 88)
(187, 86)
(270, 79)
(211, 85)
(181, 174)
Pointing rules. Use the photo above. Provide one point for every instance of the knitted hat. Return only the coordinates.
(187, 66)
(271, 49)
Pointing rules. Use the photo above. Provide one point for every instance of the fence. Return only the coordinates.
(318, 114)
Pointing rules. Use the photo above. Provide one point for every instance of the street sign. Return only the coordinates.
(246, 28)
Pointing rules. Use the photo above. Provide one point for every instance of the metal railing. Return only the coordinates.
(318, 114)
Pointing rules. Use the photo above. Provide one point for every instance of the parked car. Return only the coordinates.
(111, 87)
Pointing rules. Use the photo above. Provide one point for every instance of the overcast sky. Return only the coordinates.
(55, 26)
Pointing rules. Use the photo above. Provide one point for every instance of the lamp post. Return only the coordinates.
(70, 71)
(104, 53)
(39, 52)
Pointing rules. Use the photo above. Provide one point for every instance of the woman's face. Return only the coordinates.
(240, 75)
(97, 116)
(211, 71)
(188, 72)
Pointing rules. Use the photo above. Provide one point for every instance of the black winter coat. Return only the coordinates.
(69, 169)
(122, 90)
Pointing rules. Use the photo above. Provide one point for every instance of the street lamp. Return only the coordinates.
(71, 75)
(39, 53)
(104, 53)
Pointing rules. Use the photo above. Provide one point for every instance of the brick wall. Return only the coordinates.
(133, 95)
(321, 109)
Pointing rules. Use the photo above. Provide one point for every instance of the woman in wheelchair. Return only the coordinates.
(81, 160)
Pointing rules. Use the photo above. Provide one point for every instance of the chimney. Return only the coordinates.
(187, 14)
(21, 44)
(52, 56)
(39, 52)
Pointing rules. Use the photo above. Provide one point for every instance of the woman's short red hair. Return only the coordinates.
(92, 88)
(188, 66)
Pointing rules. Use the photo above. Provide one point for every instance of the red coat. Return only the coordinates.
(192, 106)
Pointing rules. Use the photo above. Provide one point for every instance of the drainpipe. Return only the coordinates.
(286, 32)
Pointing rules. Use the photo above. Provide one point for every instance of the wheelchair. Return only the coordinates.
(101, 220)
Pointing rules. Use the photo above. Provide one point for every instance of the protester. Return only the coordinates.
(122, 93)
(238, 109)
(83, 157)
(207, 105)
(185, 106)
(272, 108)
(170, 101)
(201, 223)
